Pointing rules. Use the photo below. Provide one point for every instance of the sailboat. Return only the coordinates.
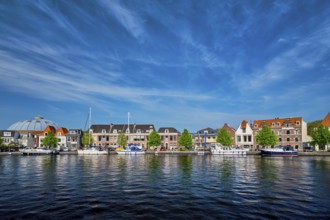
(91, 150)
(129, 150)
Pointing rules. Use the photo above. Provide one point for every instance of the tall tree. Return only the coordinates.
(321, 137)
(87, 138)
(266, 137)
(1, 144)
(122, 141)
(311, 126)
(50, 140)
(185, 139)
(224, 138)
(154, 139)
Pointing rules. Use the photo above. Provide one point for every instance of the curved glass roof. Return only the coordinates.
(36, 124)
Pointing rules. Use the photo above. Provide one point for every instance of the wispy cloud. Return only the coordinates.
(127, 18)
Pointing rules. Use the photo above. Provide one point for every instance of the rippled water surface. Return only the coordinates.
(164, 187)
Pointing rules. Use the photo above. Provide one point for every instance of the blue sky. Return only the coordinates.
(181, 63)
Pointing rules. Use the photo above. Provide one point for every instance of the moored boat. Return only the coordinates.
(131, 150)
(93, 151)
(279, 151)
(226, 150)
(38, 151)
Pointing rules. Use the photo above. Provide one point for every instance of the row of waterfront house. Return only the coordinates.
(30, 133)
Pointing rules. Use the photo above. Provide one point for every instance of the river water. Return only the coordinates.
(164, 187)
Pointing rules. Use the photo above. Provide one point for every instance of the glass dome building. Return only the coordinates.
(36, 124)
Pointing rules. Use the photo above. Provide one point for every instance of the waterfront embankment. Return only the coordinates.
(249, 153)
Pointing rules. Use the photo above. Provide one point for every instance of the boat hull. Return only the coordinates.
(228, 152)
(40, 152)
(92, 152)
(278, 153)
(128, 152)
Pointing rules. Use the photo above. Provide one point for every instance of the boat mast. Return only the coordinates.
(89, 126)
(128, 127)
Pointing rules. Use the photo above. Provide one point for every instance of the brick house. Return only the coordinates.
(106, 135)
(169, 137)
(290, 131)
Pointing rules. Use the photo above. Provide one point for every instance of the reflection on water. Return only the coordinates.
(164, 186)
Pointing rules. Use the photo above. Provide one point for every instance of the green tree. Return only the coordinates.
(224, 138)
(13, 144)
(1, 144)
(321, 137)
(154, 139)
(266, 137)
(50, 140)
(122, 141)
(185, 139)
(87, 138)
(311, 126)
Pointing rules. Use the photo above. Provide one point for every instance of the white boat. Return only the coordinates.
(39, 151)
(131, 149)
(93, 151)
(226, 150)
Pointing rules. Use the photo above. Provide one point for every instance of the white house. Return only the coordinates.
(244, 136)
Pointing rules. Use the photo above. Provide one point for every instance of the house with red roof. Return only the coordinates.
(244, 136)
(290, 131)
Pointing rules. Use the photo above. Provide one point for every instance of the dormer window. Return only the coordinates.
(166, 131)
(278, 124)
(127, 131)
(297, 122)
(59, 134)
(115, 131)
(103, 131)
(273, 124)
(138, 131)
(255, 125)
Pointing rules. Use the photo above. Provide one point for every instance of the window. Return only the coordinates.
(280, 140)
(288, 139)
(249, 138)
(239, 138)
(115, 131)
(245, 138)
(273, 124)
(166, 130)
(72, 132)
(288, 132)
(59, 134)
(297, 122)
(279, 132)
(138, 131)
(278, 124)
(296, 139)
(127, 130)
(103, 131)
(6, 134)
